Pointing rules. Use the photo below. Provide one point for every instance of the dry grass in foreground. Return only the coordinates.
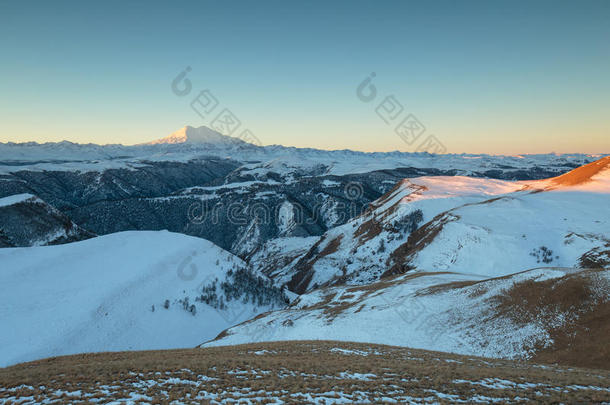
(296, 372)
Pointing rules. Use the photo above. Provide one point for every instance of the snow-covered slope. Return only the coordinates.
(466, 225)
(125, 291)
(534, 314)
(561, 223)
(26, 220)
(515, 232)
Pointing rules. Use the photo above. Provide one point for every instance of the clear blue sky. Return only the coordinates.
(489, 76)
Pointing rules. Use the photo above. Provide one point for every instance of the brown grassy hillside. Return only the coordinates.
(296, 372)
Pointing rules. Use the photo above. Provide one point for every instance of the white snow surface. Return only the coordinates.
(406, 312)
(15, 199)
(97, 295)
(508, 234)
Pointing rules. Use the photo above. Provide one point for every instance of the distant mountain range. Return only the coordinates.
(191, 143)
(113, 188)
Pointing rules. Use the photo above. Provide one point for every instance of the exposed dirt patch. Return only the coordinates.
(304, 272)
(387, 196)
(417, 240)
(441, 288)
(598, 258)
(368, 230)
(417, 190)
(331, 247)
(326, 299)
(299, 283)
(301, 279)
(341, 303)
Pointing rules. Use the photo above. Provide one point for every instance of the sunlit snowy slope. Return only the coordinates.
(467, 225)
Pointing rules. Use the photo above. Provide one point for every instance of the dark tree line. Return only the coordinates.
(242, 285)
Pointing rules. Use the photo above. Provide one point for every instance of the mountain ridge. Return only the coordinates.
(205, 136)
(27, 220)
(196, 136)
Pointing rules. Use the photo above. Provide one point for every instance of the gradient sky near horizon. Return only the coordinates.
(482, 76)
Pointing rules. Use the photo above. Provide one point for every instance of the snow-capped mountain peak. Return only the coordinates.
(201, 135)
